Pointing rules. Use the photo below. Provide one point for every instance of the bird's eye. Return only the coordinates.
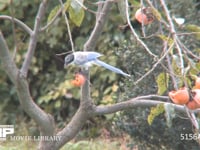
(69, 58)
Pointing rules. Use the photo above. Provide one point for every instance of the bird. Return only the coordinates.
(87, 58)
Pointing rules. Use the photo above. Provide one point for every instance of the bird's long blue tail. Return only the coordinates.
(109, 67)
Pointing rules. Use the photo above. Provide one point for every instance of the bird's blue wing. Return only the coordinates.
(109, 67)
(85, 58)
(92, 55)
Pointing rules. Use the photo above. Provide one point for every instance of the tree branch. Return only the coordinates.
(51, 21)
(102, 17)
(18, 22)
(33, 39)
(73, 127)
(7, 63)
(155, 65)
(45, 121)
(91, 43)
(86, 107)
(134, 103)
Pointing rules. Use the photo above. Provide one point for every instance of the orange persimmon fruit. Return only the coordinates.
(79, 80)
(196, 96)
(195, 102)
(197, 83)
(192, 105)
(181, 96)
(144, 15)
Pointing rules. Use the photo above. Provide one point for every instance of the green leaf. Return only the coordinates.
(58, 104)
(155, 111)
(134, 3)
(3, 4)
(53, 13)
(55, 95)
(170, 41)
(176, 65)
(162, 81)
(195, 68)
(76, 12)
(44, 99)
(194, 28)
(56, 9)
(156, 13)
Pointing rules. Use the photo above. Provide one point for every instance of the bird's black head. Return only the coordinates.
(69, 59)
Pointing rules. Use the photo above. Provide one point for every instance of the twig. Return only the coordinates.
(188, 51)
(154, 66)
(64, 53)
(18, 22)
(67, 23)
(176, 39)
(51, 21)
(85, 8)
(171, 72)
(187, 33)
(135, 34)
(161, 20)
(173, 32)
(33, 39)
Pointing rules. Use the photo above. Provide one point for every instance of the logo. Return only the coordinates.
(5, 130)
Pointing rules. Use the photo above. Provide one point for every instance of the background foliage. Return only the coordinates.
(50, 82)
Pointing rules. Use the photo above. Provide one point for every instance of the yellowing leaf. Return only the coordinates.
(55, 95)
(58, 104)
(155, 111)
(162, 82)
(53, 13)
(156, 13)
(194, 70)
(170, 41)
(4, 3)
(194, 28)
(176, 65)
(56, 9)
(115, 88)
(134, 3)
(107, 100)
